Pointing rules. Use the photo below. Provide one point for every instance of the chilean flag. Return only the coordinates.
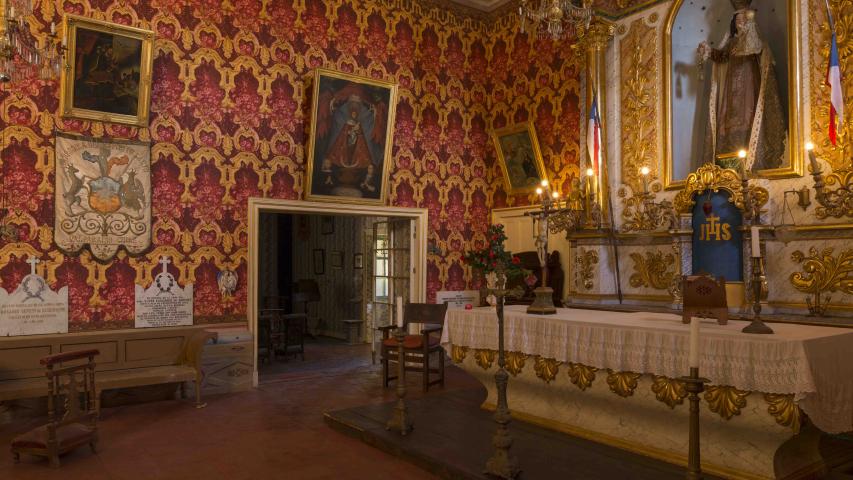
(593, 135)
(833, 81)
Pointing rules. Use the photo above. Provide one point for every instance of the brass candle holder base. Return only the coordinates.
(758, 291)
(694, 384)
(400, 420)
(543, 304)
(502, 464)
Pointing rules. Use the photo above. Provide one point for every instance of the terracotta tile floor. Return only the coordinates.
(273, 432)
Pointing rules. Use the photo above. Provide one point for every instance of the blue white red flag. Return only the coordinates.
(833, 81)
(593, 135)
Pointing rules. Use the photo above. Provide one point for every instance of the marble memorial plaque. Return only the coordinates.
(164, 303)
(33, 308)
(458, 299)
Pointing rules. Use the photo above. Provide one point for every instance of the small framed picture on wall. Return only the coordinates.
(358, 261)
(319, 261)
(336, 259)
(327, 225)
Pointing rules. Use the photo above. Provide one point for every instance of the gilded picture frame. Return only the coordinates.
(795, 154)
(107, 72)
(519, 157)
(351, 138)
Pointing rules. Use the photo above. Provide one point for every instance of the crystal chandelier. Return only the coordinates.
(554, 18)
(22, 56)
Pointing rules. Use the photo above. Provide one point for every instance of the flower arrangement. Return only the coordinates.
(493, 258)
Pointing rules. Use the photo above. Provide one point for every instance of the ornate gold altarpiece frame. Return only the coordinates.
(796, 121)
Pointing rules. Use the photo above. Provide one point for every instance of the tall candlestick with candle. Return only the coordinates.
(694, 384)
(399, 315)
(757, 283)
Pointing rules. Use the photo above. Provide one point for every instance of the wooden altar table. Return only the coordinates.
(609, 377)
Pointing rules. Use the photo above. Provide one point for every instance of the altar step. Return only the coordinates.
(453, 438)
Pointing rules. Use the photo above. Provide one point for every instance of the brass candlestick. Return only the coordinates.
(502, 464)
(757, 284)
(400, 418)
(694, 384)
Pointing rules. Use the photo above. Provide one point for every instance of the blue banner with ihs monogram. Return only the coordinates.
(717, 245)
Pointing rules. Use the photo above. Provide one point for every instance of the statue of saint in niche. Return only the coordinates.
(745, 111)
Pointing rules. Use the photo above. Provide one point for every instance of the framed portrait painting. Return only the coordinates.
(349, 151)
(520, 158)
(107, 76)
(319, 261)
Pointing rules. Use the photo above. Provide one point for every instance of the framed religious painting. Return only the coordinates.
(349, 151)
(732, 88)
(520, 158)
(107, 76)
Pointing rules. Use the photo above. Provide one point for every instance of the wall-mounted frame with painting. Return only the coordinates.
(327, 225)
(349, 151)
(520, 158)
(107, 75)
(336, 259)
(319, 261)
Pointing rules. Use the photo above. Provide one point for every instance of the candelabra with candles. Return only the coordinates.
(22, 56)
(695, 385)
(758, 281)
(554, 18)
(550, 203)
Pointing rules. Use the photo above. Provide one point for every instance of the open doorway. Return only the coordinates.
(325, 283)
(322, 277)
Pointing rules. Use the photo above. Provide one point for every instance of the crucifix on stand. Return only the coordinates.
(551, 205)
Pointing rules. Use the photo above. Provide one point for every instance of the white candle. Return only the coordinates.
(52, 28)
(693, 359)
(400, 312)
(756, 243)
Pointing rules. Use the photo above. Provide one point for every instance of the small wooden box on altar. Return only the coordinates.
(704, 297)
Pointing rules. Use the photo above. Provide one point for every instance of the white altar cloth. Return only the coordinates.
(813, 363)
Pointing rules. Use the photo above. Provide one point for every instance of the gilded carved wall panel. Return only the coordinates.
(838, 157)
(652, 270)
(638, 57)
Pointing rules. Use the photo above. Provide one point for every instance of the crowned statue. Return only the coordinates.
(745, 111)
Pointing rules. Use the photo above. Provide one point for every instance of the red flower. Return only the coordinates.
(516, 260)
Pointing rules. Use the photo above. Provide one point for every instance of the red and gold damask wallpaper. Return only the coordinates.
(230, 109)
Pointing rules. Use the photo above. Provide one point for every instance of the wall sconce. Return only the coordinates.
(835, 203)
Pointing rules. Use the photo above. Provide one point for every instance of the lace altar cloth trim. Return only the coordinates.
(808, 361)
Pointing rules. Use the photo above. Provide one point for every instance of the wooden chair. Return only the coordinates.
(269, 333)
(72, 422)
(295, 324)
(416, 348)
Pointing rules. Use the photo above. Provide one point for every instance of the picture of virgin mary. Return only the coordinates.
(351, 138)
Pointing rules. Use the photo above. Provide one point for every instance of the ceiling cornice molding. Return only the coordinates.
(610, 9)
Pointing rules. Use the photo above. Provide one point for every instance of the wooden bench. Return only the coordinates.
(128, 358)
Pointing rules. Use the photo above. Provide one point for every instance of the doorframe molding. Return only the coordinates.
(259, 205)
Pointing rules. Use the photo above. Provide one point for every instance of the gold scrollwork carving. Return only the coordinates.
(652, 270)
(669, 390)
(838, 156)
(639, 134)
(458, 353)
(835, 203)
(725, 401)
(622, 383)
(784, 409)
(585, 260)
(822, 272)
(581, 375)
(546, 368)
(515, 362)
(485, 357)
(715, 178)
